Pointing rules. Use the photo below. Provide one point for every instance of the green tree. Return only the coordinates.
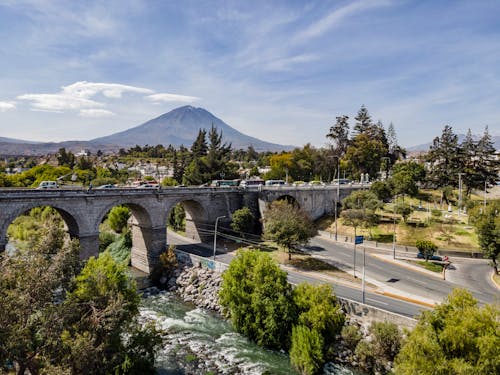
(360, 209)
(118, 218)
(426, 247)
(318, 309)
(31, 282)
(256, 296)
(243, 221)
(457, 337)
(199, 147)
(306, 352)
(102, 334)
(65, 158)
(364, 155)
(488, 231)
(288, 225)
(406, 177)
(383, 190)
(339, 134)
(445, 161)
(404, 210)
(177, 218)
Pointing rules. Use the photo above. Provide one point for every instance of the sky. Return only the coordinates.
(281, 71)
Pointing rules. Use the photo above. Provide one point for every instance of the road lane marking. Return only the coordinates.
(374, 300)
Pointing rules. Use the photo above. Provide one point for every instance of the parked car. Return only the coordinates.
(107, 186)
(434, 257)
(298, 183)
(48, 185)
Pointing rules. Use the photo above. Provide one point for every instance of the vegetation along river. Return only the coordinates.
(200, 342)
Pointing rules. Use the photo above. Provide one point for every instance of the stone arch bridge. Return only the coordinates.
(84, 210)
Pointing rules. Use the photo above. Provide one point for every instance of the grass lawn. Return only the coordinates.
(305, 262)
(429, 266)
(448, 231)
(496, 279)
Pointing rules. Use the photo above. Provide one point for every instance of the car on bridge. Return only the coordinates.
(48, 185)
(106, 186)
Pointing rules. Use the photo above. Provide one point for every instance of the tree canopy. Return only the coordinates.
(288, 225)
(457, 337)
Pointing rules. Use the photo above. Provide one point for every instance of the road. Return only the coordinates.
(470, 274)
(294, 277)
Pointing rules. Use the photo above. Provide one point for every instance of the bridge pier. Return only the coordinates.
(147, 245)
(89, 245)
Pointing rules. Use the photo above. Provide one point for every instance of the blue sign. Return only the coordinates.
(358, 240)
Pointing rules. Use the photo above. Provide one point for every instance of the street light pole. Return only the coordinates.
(363, 281)
(338, 196)
(215, 233)
(394, 231)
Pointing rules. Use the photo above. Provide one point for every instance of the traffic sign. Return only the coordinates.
(358, 240)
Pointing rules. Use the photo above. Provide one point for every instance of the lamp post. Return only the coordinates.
(338, 193)
(215, 233)
(394, 231)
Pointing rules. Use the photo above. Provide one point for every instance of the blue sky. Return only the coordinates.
(277, 70)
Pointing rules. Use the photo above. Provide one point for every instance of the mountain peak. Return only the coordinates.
(180, 126)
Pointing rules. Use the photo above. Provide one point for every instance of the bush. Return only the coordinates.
(106, 239)
(306, 353)
(386, 339)
(166, 266)
(351, 335)
(365, 353)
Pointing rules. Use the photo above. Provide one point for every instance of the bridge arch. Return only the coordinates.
(70, 219)
(197, 217)
(148, 240)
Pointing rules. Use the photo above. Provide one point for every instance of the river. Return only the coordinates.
(200, 342)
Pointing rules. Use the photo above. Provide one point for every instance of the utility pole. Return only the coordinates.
(215, 233)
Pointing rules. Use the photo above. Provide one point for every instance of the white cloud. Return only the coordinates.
(7, 106)
(95, 113)
(165, 97)
(110, 90)
(336, 17)
(78, 96)
(58, 102)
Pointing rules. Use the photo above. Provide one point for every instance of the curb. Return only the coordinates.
(407, 299)
(409, 267)
(493, 280)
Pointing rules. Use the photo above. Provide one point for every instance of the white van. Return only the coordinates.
(48, 185)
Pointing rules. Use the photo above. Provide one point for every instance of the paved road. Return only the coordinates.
(471, 275)
(373, 299)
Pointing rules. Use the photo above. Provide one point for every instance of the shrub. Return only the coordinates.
(165, 267)
(386, 339)
(351, 335)
(306, 353)
(365, 353)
